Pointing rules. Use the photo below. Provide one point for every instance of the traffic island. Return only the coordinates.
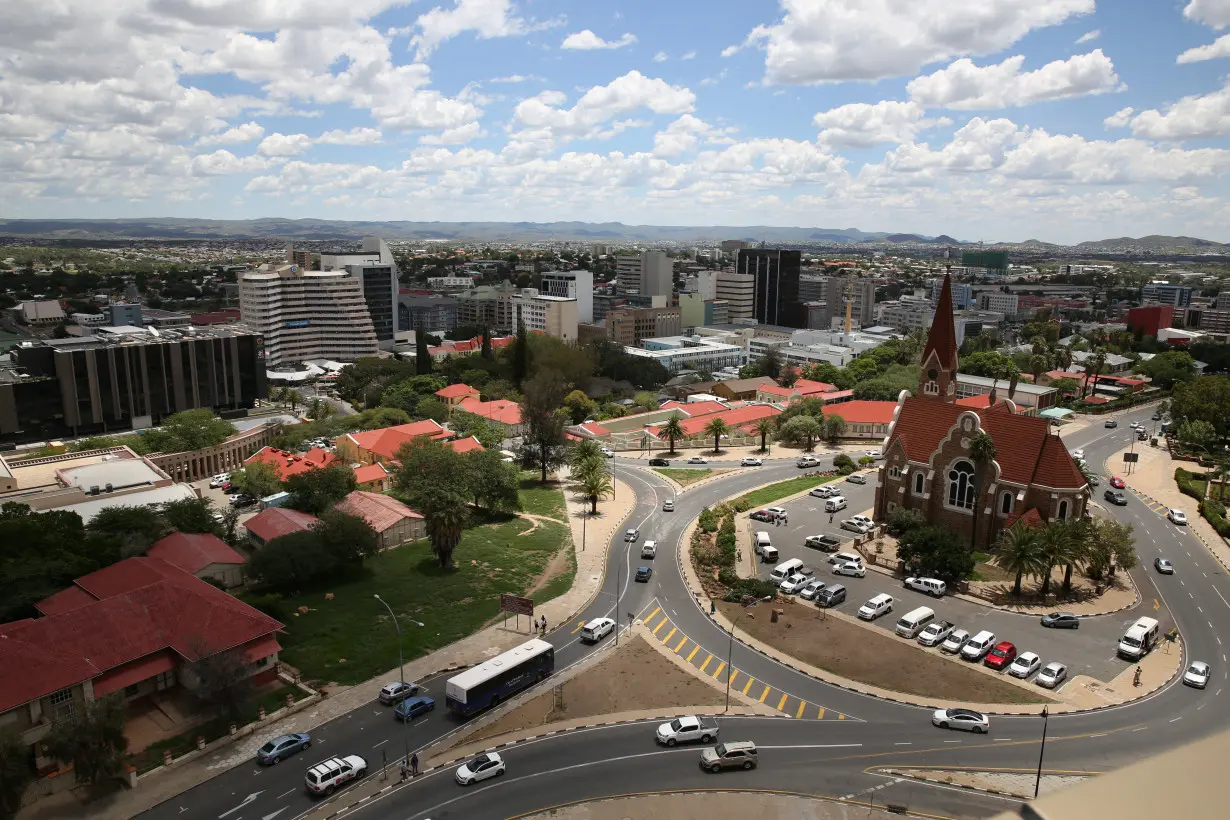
(705, 806)
(1009, 783)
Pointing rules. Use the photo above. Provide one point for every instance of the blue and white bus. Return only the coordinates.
(501, 677)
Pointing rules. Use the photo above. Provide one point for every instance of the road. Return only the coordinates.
(825, 757)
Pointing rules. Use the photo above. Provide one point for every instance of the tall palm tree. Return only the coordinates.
(672, 431)
(595, 484)
(765, 428)
(1095, 365)
(1037, 365)
(1078, 553)
(1059, 547)
(1063, 358)
(584, 450)
(717, 428)
(982, 452)
(1017, 550)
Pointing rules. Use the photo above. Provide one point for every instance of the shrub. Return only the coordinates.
(843, 460)
(708, 521)
(754, 587)
(1189, 483)
(845, 469)
(1215, 513)
(903, 519)
(866, 461)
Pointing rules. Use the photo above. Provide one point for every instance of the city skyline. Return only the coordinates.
(1061, 120)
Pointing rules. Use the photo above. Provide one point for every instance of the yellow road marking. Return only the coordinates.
(692, 654)
(718, 671)
(578, 629)
(665, 621)
(821, 715)
(656, 610)
(765, 693)
(670, 634)
(706, 663)
(734, 673)
(748, 685)
(782, 703)
(840, 716)
(682, 641)
(802, 706)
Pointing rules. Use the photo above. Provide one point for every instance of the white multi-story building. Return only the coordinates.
(907, 313)
(738, 290)
(649, 274)
(572, 284)
(305, 314)
(1000, 302)
(450, 282)
(376, 271)
(677, 353)
(553, 315)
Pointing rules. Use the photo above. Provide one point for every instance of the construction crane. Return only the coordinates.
(849, 293)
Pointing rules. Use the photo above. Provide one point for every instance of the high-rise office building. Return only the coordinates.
(650, 273)
(572, 284)
(738, 290)
(376, 272)
(776, 276)
(1174, 295)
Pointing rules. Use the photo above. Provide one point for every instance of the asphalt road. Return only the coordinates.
(826, 757)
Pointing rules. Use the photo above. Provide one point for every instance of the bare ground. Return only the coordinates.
(867, 656)
(636, 676)
(701, 806)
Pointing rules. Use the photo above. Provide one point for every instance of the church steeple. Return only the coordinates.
(939, 356)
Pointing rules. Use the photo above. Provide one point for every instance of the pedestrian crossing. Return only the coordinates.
(715, 666)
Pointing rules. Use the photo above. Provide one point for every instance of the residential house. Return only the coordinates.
(803, 388)
(394, 522)
(501, 412)
(287, 464)
(274, 522)
(865, 419)
(741, 389)
(204, 555)
(133, 630)
(375, 477)
(455, 393)
(381, 445)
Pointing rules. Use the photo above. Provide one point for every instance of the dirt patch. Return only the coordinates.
(701, 806)
(634, 677)
(557, 566)
(869, 657)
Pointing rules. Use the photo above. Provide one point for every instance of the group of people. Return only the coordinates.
(413, 769)
(784, 518)
(541, 626)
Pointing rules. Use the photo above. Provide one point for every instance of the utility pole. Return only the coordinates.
(401, 675)
(617, 577)
(730, 648)
(1041, 751)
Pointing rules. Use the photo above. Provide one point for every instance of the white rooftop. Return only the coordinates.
(119, 473)
(158, 495)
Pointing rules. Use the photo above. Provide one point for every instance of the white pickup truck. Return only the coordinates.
(687, 729)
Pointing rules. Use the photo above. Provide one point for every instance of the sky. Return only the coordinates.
(994, 120)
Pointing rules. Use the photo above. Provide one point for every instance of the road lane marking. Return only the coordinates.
(381, 743)
(670, 634)
(840, 716)
(718, 671)
(765, 693)
(820, 716)
(1140, 728)
(682, 641)
(734, 673)
(903, 744)
(1180, 717)
(665, 621)
(706, 663)
(283, 794)
(1223, 597)
(748, 685)
(802, 706)
(692, 654)
(578, 629)
(781, 704)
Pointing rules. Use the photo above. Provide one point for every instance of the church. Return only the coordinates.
(927, 465)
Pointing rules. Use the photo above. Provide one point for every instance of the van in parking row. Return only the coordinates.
(914, 621)
(765, 549)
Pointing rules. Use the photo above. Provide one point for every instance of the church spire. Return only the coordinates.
(939, 357)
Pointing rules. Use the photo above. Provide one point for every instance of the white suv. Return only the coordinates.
(329, 775)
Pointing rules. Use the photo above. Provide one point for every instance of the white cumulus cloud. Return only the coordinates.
(1213, 13)
(488, 19)
(1201, 116)
(1213, 51)
(355, 136)
(1089, 36)
(1120, 118)
(237, 135)
(863, 124)
(586, 40)
(284, 145)
(964, 85)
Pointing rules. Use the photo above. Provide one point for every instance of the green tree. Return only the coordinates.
(290, 561)
(788, 376)
(810, 406)
(582, 451)
(822, 372)
(223, 679)
(864, 368)
(770, 363)
(903, 519)
(645, 401)
(672, 430)
(43, 552)
(314, 491)
(494, 483)
(1037, 366)
(486, 352)
(594, 481)
(93, 741)
(765, 428)
(346, 538)
(1018, 550)
(801, 430)
(1066, 387)
(134, 528)
(408, 394)
(982, 453)
(190, 515)
(432, 408)
(189, 430)
(319, 409)
(520, 354)
(258, 479)
(422, 353)
(1167, 368)
(989, 365)
(888, 385)
(488, 433)
(1094, 366)
(1203, 399)
(544, 419)
(579, 406)
(15, 772)
(935, 552)
(1198, 434)
(1059, 546)
(433, 480)
(716, 428)
(834, 428)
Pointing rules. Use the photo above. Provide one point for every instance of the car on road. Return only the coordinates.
(480, 768)
(845, 558)
(1093, 480)
(608, 452)
(856, 478)
(852, 569)
(329, 775)
(879, 605)
(1118, 483)
(687, 729)
(1025, 665)
(1163, 566)
(242, 500)
(978, 646)
(218, 480)
(643, 574)
(631, 535)
(668, 505)
(597, 629)
(1177, 516)
(936, 633)
(1079, 455)
(280, 748)
(1116, 497)
(776, 512)
(410, 708)
(739, 754)
(1111, 424)
(751, 462)
(876, 454)
(811, 590)
(659, 462)
(1156, 417)
(649, 549)
(698, 460)
(955, 641)
(1001, 656)
(807, 461)
(397, 691)
(932, 586)
(855, 526)
(793, 584)
(824, 491)
(1052, 675)
(1061, 620)
(965, 719)
(1197, 675)
(827, 543)
(762, 515)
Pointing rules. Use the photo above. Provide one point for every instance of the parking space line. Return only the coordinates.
(748, 685)
(665, 621)
(718, 671)
(679, 646)
(781, 704)
(692, 654)
(734, 673)
(706, 663)
(651, 615)
(820, 716)
(670, 634)
(765, 693)
(802, 706)
(578, 629)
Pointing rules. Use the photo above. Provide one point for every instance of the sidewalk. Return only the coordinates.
(484, 644)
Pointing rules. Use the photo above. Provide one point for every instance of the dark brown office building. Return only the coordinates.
(776, 296)
(115, 382)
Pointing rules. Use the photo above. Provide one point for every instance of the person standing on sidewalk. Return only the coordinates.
(414, 764)
(403, 770)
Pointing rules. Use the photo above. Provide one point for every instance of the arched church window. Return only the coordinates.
(1005, 504)
(961, 485)
(918, 483)
(1063, 510)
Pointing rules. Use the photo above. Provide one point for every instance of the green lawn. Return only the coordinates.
(686, 477)
(542, 499)
(350, 638)
(765, 495)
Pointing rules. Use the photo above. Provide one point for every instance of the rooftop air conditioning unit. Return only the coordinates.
(110, 487)
(93, 489)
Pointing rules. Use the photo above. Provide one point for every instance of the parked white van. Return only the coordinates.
(784, 570)
(762, 540)
(914, 622)
(1139, 639)
(835, 504)
(768, 555)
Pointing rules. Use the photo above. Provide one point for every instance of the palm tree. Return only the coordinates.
(765, 428)
(1058, 546)
(672, 431)
(1063, 358)
(445, 522)
(1037, 365)
(717, 428)
(982, 453)
(1078, 553)
(1017, 550)
(1096, 363)
(584, 450)
(595, 484)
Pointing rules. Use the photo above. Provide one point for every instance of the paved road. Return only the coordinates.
(828, 757)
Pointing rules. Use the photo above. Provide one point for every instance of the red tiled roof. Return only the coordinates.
(777, 390)
(192, 552)
(595, 429)
(386, 441)
(501, 410)
(147, 606)
(1027, 453)
(704, 408)
(865, 412)
(65, 600)
(1031, 518)
(808, 387)
(134, 672)
(278, 521)
(942, 338)
(975, 401)
(379, 511)
(465, 445)
(733, 418)
(836, 395)
(1096, 400)
(454, 391)
(289, 464)
(368, 473)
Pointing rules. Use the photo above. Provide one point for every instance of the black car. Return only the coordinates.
(1061, 620)
(659, 462)
(1116, 497)
(643, 573)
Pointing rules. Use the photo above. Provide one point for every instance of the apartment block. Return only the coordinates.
(906, 314)
(431, 312)
(573, 284)
(962, 294)
(835, 290)
(998, 301)
(738, 290)
(553, 315)
(1223, 300)
(651, 273)
(630, 327)
(1177, 296)
(487, 306)
(450, 282)
(775, 275)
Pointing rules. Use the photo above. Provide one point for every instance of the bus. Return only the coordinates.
(501, 677)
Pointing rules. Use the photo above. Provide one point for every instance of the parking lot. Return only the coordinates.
(1089, 650)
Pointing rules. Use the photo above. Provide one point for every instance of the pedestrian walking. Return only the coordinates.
(414, 764)
(403, 770)
(830, 518)
(786, 518)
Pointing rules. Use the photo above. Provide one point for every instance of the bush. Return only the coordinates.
(754, 587)
(270, 603)
(1190, 484)
(1215, 513)
(903, 519)
(845, 469)
(843, 460)
(866, 461)
(708, 521)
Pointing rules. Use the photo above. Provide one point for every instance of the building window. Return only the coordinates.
(164, 680)
(961, 486)
(894, 472)
(931, 388)
(62, 705)
(918, 483)
(1063, 510)
(1005, 504)
(131, 691)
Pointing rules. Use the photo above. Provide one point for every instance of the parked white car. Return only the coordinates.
(793, 584)
(811, 590)
(840, 558)
(851, 569)
(955, 641)
(824, 491)
(1025, 665)
(854, 525)
(1052, 675)
(218, 480)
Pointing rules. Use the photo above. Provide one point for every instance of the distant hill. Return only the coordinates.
(1156, 244)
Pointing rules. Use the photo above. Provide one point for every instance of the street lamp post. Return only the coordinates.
(730, 649)
(1041, 751)
(401, 666)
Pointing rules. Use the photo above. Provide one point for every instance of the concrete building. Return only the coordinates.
(553, 315)
(906, 314)
(124, 313)
(1208, 321)
(677, 353)
(39, 314)
(630, 327)
(1177, 296)
(836, 290)
(487, 306)
(571, 284)
(1223, 300)
(998, 301)
(775, 276)
(730, 247)
(376, 272)
(738, 291)
(450, 282)
(651, 273)
(962, 294)
(125, 379)
(431, 312)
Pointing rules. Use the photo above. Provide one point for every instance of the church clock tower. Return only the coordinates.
(939, 357)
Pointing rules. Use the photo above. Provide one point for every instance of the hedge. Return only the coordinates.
(1215, 513)
(1190, 484)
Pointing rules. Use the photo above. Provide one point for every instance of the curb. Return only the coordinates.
(938, 781)
(1208, 548)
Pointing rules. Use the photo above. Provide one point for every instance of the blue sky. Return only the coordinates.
(1062, 120)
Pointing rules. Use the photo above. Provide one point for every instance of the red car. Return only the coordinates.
(1002, 655)
(1117, 482)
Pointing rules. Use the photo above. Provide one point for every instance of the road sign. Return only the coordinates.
(516, 604)
(1131, 458)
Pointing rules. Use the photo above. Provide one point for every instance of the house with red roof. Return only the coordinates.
(394, 522)
(288, 464)
(454, 393)
(274, 522)
(801, 389)
(501, 412)
(741, 419)
(131, 630)
(928, 464)
(381, 445)
(375, 477)
(203, 554)
(865, 419)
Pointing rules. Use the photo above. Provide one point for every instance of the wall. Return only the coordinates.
(229, 455)
(407, 529)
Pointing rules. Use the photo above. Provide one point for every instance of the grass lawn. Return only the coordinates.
(765, 495)
(686, 477)
(542, 499)
(350, 638)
